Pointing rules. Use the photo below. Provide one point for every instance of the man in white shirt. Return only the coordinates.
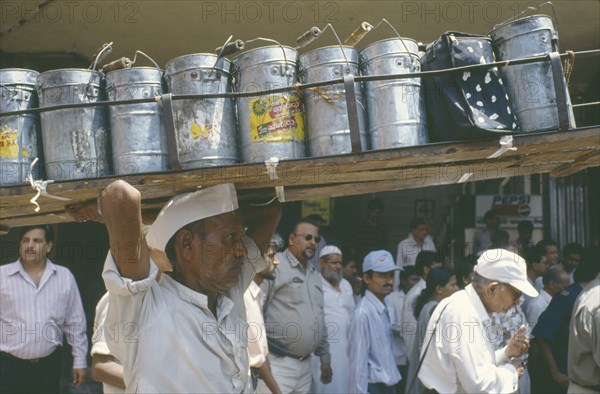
(462, 356)
(537, 265)
(338, 307)
(426, 261)
(483, 237)
(40, 304)
(184, 332)
(409, 248)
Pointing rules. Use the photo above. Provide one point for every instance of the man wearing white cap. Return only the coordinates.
(338, 308)
(184, 332)
(372, 364)
(461, 356)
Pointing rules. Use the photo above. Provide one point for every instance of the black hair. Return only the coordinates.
(489, 215)
(587, 269)
(307, 220)
(48, 231)
(499, 236)
(572, 248)
(416, 222)
(426, 258)
(544, 243)
(375, 203)
(534, 255)
(315, 217)
(463, 269)
(408, 271)
(525, 225)
(437, 277)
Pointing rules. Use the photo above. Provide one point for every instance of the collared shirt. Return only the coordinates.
(339, 305)
(409, 322)
(527, 299)
(258, 350)
(168, 339)
(482, 239)
(35, 318)
(370, 350)
(584, 338)
(461, 357)
(408, 251)
(99, 345)
(553, 324)
(394, 302)
(293, 310)
(536, 306)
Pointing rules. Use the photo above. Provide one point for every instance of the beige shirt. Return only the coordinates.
(168, 339)
(584, 337)
(257, 338)
(294, 316)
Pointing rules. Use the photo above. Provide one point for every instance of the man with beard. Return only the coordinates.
(294, 313)
(338, 307)
(182, 332)
(254, 299)
(372, 364)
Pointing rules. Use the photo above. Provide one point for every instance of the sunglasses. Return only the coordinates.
(309, 237)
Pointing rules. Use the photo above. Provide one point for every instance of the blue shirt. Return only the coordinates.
(553, 324)
(370, 348)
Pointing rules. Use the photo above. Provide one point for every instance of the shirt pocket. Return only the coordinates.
(294, 291)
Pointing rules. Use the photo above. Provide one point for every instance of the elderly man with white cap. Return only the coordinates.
(183, 332)
(458, 351)
(338, 307)
(372, 363)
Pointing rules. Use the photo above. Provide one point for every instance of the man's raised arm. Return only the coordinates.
(261, 222)
(120, 206)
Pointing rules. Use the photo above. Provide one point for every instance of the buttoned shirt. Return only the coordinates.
(257, 338)
(394, 302)
(584, 337)
(370, 350)
(167, 338)
(409, 322)
(536, 306)
(482, 239)
(99, 345)
(461, 356)
(293, 310)
(407, 253)
(35, 318)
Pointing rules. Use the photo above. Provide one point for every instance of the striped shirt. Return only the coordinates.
(34, 319)
(370, 349)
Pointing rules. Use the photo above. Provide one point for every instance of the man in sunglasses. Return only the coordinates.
(294, 317)
(461, 357)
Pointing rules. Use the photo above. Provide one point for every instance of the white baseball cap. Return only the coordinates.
(505, 267)
(380, 261)
(186, 208)
(330, 249)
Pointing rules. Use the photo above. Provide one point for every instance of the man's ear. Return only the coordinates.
(183, 242)
(49, 247)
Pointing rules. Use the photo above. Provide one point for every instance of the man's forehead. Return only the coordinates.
(307, 227)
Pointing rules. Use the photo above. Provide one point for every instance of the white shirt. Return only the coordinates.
(394, 302)
(35, 318)
(409, 322)
(258, 348)
(461, 357)
(536, 306)
(407, 253)
(338, 308)
(168, 339)
(370, 350)
(99, 345)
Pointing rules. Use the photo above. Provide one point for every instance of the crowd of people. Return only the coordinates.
(209, 298)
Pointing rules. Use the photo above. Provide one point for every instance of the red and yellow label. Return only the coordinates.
(276, 119)
(9, 144)
(203, 133)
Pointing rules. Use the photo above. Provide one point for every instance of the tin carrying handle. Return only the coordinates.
(104, 51)
(530, 11)
(358, 34)
(313, 33)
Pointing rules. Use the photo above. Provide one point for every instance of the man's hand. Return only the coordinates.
(79, 376)
(518, 344)
(326, 373)
(561, 379)
(519, 367)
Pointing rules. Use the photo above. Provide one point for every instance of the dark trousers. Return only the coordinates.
(380, 388)
(401, 386)
(30, 376)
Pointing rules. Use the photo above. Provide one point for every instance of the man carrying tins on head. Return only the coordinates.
(184, 332)
(294, 317)
(461, 356)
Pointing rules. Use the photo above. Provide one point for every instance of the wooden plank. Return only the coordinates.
(585, 160)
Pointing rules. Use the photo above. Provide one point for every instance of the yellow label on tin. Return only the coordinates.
(276, 119)
(9, 146)
(203, 133)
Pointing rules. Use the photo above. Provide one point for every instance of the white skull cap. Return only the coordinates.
(186, 208)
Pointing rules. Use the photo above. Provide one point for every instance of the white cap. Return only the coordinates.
(186, 208)
(505, 267)
(380, 261)
(330, 249)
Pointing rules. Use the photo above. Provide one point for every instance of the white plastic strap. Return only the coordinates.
(272, 164)
(40, 186)
(506, 144)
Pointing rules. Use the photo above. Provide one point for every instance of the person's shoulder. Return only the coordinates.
(8, 267)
